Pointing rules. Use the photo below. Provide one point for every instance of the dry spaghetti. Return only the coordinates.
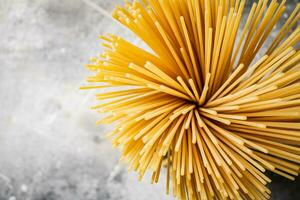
(201, 103)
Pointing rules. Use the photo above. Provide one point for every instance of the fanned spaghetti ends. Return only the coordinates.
(201, 104)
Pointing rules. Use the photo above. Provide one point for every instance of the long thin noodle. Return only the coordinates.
(198, 104)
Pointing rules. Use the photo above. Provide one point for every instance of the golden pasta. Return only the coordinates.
(200, 103)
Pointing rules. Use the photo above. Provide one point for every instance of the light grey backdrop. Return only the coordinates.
(50, 147)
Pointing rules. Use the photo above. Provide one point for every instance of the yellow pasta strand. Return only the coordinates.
(202, 105)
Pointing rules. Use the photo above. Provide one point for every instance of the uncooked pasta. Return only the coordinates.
(201, 103)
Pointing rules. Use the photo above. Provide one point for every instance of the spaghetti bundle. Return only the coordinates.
(201, 104)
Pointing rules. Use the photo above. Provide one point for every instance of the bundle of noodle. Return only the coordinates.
(201, 102)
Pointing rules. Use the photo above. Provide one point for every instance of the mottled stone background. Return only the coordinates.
(50, 147)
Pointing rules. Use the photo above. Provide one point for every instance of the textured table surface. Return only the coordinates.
(50, 147)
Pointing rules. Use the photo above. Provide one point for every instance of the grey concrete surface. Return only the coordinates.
(50, 147)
